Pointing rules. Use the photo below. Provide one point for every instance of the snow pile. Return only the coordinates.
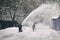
(36, 35)
(8, 32)
(42, 34)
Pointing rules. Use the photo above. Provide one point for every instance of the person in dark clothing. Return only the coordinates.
(33, 26)
(20, 27)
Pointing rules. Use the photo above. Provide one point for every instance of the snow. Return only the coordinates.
(55, 17)
(26, 29)
(43, 34)
(8, 32)
(42, 15)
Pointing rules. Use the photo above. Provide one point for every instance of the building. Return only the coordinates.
(56, 23)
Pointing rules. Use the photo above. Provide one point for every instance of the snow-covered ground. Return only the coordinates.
(41, 34)
(8, 32)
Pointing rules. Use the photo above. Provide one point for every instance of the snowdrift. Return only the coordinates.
(48, 34)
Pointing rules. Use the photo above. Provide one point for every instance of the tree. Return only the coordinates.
(9, 6)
